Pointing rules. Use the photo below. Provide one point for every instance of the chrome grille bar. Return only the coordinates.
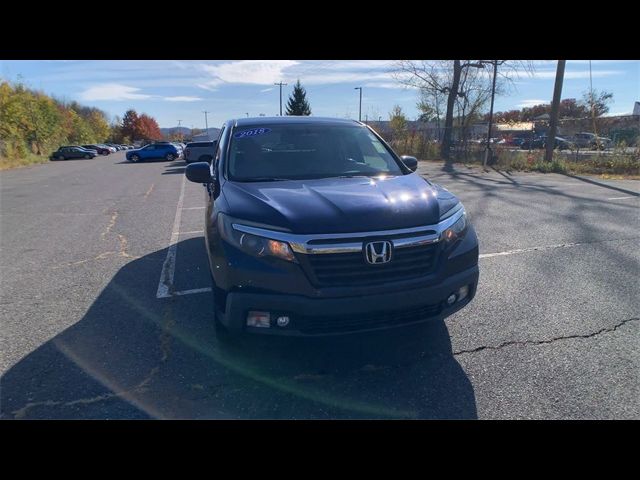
(300, 242)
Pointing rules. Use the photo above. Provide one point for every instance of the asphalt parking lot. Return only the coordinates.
(106, 305)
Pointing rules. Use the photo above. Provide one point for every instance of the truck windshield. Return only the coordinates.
(282, 152)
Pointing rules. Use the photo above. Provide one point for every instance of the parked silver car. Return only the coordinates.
(591, 141)
(200, 151)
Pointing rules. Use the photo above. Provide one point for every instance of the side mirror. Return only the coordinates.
(199, 172)
(410, 162)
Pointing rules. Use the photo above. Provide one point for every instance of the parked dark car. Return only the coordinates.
(101, 150)
(541, 143)
(167, 151)
(72, 151)
(315, 226)
(200, 151)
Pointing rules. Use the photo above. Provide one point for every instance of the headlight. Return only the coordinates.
(455, 231)
(253, 244)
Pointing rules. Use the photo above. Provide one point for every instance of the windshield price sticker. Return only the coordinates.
(252, 133)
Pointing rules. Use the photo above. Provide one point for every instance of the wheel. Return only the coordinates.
(135, 158)
(60, 157)
(87, 157)
(170, 157)
(105, 153)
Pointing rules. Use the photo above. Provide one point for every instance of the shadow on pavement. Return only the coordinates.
(175, 167)
(604, 185)
(135, 356)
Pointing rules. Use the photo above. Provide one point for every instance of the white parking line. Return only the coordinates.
(192, 208)
(169, 266)
(191, 232)
(192, 291)
(620, 198)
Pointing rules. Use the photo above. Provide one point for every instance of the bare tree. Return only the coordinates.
(449, 77)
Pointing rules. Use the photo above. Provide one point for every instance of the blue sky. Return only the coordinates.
(172, 90)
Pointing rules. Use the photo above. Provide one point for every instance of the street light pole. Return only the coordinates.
(360, 109)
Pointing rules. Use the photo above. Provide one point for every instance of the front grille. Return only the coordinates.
(351, 269)
(312, 325)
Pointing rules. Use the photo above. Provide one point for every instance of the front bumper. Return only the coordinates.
(332, 316)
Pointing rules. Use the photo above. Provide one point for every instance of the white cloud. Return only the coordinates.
(532, 103)
(258, 72)
(391, 85)
(546, 74)
(182, 99)
(113, 92)
(206, 87)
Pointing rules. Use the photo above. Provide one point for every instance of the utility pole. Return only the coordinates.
(555, 107)
(280, 84)
(593, 111)
(360, 109)
(493, 94)
(206, 123)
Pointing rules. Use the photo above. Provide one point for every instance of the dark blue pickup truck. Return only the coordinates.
(315, 226)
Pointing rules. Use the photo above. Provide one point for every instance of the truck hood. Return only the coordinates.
(339, 205)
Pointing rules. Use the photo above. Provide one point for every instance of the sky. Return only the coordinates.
(178, 90)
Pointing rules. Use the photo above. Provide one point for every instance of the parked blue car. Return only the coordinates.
(167, 151)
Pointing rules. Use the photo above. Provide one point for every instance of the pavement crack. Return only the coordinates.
(112, 222)
(543, 342)
(123, 247)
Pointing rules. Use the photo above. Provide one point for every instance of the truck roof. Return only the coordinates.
(284, 120)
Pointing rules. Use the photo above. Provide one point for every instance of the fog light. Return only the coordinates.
(259, 319)
(463, 292)
(451, 299)
(282, 321)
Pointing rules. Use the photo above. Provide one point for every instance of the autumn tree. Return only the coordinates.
(130, 126)
(148, 128)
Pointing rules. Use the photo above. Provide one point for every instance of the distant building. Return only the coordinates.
(636, 108)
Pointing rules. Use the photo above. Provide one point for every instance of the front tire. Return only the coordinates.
(61, 157)
(135, 158)
(170, 157)
(87, 157)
